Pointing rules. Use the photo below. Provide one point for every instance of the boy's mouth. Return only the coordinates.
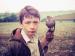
(32, 32)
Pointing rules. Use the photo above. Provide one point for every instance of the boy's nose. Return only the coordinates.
(32, 26)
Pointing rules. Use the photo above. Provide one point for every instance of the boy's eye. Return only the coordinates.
(27, 22)
(35, 22)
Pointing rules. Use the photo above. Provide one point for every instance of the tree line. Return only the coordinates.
(12, 17)
(8, 17)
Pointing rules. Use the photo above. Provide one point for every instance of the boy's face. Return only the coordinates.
(30, 25)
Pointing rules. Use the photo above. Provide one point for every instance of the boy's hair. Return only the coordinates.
(28, 11)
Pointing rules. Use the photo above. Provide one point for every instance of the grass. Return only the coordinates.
(62, 28)
(65, 29)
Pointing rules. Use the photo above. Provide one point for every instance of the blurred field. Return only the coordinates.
(62, 28)
(63, 43)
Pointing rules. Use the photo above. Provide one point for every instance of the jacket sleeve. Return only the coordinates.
(40, 49)
(16, 48)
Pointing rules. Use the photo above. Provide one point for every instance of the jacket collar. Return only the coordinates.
(16, 35)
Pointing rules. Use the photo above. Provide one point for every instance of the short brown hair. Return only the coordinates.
(28, 11)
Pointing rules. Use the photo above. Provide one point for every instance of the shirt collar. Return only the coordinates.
(25, 37)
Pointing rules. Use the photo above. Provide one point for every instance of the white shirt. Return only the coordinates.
(25, 37)
(31, 43)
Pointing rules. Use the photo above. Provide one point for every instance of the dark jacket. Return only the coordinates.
(17, 46)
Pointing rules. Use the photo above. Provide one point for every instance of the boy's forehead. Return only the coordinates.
(31, 18)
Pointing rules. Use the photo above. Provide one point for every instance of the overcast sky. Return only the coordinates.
(41, 5)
